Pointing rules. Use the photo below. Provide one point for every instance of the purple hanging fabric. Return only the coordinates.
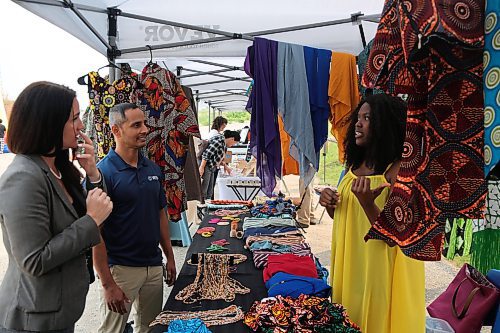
(261, 65)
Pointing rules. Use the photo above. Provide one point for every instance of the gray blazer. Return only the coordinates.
(47, 278)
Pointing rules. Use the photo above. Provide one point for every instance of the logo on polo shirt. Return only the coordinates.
(152, 178)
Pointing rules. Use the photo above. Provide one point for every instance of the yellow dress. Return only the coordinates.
(382, 289)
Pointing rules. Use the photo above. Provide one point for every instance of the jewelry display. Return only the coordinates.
(229, 315)
(212, 280)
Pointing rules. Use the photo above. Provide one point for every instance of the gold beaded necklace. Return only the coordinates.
(229, 315)
(212, 280)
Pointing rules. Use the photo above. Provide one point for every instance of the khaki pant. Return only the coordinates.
(144, 287)
(306, 211)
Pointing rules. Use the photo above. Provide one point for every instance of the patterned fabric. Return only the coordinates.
(441, 174)
(214, 153)
(171, 121)
(491, 59)
(457, 238)
(274, 208)
(88, 123)
(260, 257)
(306, 314)
(103, 96)
(492, 216)
(362, 60)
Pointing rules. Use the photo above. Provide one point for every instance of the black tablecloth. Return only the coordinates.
(246, 273)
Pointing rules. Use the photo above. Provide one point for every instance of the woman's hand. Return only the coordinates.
(329, 197)
(366, 196)
(99, 205)
(87, 159)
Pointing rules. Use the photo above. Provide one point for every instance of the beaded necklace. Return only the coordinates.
(229, 315)
(230, 212)
(212, 280)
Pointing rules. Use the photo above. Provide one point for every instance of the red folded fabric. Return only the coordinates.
(291, 264)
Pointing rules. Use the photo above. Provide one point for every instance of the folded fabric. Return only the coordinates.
(290, 263)
(305, 314)
(285, 284)
(322, 271)
(190, 325)
(260, 256)
(256, 222)
(268, 245)
(269, 230)
(276, 239)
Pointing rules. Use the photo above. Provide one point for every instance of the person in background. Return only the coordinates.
(218, 126)
(212, 158)
(305, 215)
(129, 261)
(48, 221)
(2, 135)
(382, 289)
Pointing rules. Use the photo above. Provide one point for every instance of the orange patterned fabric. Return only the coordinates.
(418, 51)
(343, 95)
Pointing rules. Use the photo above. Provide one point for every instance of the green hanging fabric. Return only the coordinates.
(486, 250)
(458, 238)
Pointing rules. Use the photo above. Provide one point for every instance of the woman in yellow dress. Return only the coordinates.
(382, 289)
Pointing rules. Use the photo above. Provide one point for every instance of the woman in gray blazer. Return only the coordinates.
(48, 221)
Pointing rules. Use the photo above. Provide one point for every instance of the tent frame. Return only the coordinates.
(113, 52)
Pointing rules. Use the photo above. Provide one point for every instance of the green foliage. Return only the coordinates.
(231, 116)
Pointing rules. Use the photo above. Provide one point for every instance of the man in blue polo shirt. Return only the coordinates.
(129, 261)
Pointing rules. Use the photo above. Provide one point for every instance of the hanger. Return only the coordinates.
(81, 79)
(150, 62)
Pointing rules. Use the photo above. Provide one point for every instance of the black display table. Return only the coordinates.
(246, 273)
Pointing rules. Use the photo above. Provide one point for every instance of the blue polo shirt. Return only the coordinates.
(132, 231)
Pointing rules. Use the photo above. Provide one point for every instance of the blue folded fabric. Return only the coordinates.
(285, 284)
(494, 277)
(187, 326)
(267, 231)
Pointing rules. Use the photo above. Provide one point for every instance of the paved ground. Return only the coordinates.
(438, 274)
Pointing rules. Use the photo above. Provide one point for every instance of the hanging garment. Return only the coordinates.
(89, 128)
(491, 86)
(343, 96)
(290, 165)
(383, 290)
(457, 238)
(318, 76)
(171, 121)
(191, 171)
(103, 96)
(295, 108)
(362, 60)
(264, 133)
(486, 233)
(441, 174)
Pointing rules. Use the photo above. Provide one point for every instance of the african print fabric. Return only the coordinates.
(457, 238)
(419, 50)
(306, 314)
(486, 236)
(170, 121)
(103, 96)
(491, 60)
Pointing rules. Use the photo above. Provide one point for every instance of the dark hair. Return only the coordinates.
(1, 121)
(218, 122)
(117, 113)
(232, 134)
(37, 122)
(387, 134)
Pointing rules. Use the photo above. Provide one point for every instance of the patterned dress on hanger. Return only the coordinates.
(431, 51)
(103, 96)
(171, 121)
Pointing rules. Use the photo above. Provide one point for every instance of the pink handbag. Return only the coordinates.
(466, 302)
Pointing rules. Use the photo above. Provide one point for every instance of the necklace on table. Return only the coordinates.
(58, 176)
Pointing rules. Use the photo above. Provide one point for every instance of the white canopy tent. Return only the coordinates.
(205, 42)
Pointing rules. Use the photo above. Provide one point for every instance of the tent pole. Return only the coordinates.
(220, 90)
(214, 82)
(218, 75)
(224, 95)
(209, 117)
(231, 35)
(200, 73)
(70, 5)
(362, 33)
(197, 103)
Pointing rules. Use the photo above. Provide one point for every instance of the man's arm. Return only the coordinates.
(166, 246)
(114, 296)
